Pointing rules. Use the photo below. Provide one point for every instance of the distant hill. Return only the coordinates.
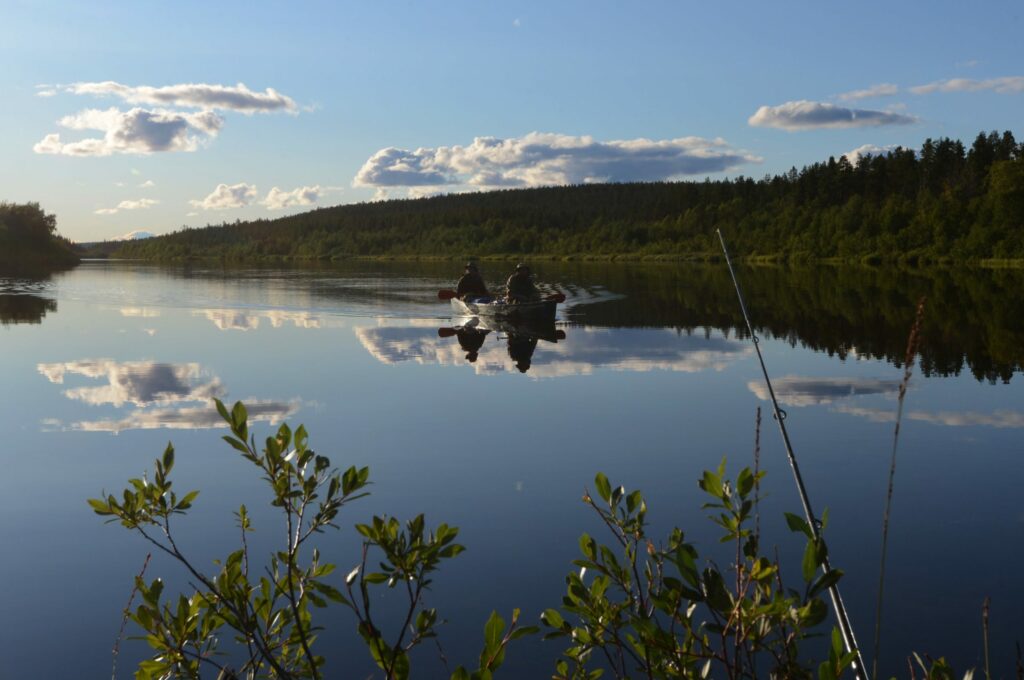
(944, 202)
(29, 239)
(101, 249)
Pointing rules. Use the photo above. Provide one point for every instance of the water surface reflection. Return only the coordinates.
(173, 396)
(581, 351)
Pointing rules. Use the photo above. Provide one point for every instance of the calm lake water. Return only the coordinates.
(652, 383)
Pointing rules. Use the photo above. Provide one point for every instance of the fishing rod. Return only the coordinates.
(845, 627)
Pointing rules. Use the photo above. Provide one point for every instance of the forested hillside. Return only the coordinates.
(944, 201)
(28, 238)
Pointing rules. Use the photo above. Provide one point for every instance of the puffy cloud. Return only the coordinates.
(1003, 85)
(545, 159)
(137, 131)
(135, 382)
(868, 150)
(148, 184)
(278, 199)
(807, 115)
(225, 197)
(141, 204)
(881, 90)
(197, 95)
(799, 391)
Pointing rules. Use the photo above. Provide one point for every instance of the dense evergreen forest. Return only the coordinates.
(944, 202)
(29, 239)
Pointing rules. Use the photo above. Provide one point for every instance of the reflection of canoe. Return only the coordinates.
(542, 329)
(542, 310)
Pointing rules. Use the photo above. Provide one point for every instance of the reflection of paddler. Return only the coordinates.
(471, 340)
(520, 350)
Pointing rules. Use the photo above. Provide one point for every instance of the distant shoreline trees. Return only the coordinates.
(945, 202)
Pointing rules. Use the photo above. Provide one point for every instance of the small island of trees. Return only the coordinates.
(29, 238)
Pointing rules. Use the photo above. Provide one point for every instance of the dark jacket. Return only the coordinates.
(521, 287)
(471, 284)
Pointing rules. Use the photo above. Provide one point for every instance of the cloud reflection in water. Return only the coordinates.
(175, 396)
(584, 350)
(247, 320)
(799, 391)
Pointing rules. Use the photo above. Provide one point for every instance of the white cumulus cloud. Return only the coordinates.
(136, 131)
(141, 204)
(278, 199)
(808, 115)
(547, 159)
(196, 95)
(868, 150)
(148, 184)
(225, 197)
(880, 90)
(1003, 85)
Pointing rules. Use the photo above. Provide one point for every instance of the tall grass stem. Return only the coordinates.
(908, 369)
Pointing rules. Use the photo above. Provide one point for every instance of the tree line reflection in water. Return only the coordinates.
(974, 319)
(681, 318)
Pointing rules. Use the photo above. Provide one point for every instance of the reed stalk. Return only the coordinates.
(908, 370)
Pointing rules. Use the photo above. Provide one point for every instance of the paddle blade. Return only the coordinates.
(446, 332)
(557, 297)
(445, 294)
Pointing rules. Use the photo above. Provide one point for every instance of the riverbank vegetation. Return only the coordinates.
(944, 202)
(632, 608)
(29, 238)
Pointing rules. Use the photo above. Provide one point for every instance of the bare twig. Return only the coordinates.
(757, 480)
(984, 633)
(124, 619)
(908, 370)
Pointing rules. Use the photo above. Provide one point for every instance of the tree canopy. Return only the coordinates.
(28, 236)
(944, 201)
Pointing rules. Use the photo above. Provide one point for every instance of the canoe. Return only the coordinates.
(542, 310)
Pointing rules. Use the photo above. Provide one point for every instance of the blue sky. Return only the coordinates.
(129, 116)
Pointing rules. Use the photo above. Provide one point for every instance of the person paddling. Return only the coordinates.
(471, 285)
(521, 287)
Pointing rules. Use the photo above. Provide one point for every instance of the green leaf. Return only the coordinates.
(168, 457)
(797, 523)
(604, 489)
(825, 581)
(222, 410)
(552, 618)
(810, 561)
(493, 630)
(712, 484)
(523, 632)
(745, 482)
